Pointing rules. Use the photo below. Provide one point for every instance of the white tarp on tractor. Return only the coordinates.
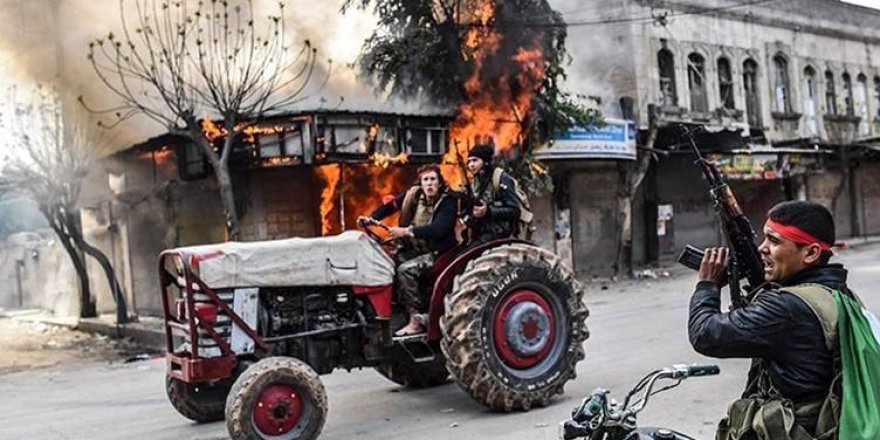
(346, 259)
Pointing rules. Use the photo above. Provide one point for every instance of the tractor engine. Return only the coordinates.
(320, 325)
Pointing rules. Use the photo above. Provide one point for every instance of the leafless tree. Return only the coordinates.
(187, 66)
(49, 147)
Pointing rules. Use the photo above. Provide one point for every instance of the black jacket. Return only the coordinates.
(778, 327)
(440, 232)
(502, 207)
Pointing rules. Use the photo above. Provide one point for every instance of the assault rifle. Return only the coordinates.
(744, 258)
(462, 230)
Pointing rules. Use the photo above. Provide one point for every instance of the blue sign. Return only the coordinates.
(615, 139)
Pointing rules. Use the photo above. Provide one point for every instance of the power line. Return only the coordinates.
(653, 17)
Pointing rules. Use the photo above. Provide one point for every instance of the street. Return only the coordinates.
(635, 327)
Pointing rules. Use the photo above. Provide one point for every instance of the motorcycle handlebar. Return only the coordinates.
(685, 371)
(703, 370)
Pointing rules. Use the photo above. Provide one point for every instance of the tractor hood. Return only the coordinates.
(350, 258)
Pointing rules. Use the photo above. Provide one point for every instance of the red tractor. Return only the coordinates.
(251, 326)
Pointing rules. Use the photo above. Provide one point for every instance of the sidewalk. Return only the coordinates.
(148, 332)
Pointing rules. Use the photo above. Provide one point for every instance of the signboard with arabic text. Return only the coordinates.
(614, 139)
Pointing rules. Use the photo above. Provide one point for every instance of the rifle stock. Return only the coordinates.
(745, 258)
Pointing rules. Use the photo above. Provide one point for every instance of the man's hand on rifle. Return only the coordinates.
(480, 210)
(714, 265)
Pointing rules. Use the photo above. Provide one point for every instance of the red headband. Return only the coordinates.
(797, 234)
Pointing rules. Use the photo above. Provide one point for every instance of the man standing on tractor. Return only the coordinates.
(798, 330)
(426, 231)
(496, 210)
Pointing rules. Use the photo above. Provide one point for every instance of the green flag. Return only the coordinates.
(859, 332)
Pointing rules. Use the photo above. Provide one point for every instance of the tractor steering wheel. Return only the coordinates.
(368, 225)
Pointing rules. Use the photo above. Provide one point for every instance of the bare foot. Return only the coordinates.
(413, 328)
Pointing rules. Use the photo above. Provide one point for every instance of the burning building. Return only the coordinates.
(296, 175)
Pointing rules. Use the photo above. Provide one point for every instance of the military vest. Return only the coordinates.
(769, 416)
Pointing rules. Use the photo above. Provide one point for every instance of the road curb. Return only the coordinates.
(145, 336)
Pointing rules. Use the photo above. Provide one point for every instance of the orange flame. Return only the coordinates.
(329, 175)
(354, 190)
(493, 110)
(384, 160)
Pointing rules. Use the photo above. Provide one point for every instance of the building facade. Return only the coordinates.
(784, 95)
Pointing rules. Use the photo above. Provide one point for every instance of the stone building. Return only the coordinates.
(787, 94)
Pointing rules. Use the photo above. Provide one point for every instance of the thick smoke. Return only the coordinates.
(46, 41)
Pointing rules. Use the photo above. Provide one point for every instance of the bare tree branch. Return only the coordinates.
(181, 66)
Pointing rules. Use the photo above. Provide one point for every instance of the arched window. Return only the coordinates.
(725, 83)
(780, 84)
(830, 94)
(666, 65)
(810, 101)
(750, 84)
(861, 103)
(697, 82)
(877, 96)
(848, 101)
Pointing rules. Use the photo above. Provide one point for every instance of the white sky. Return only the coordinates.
(869, 3)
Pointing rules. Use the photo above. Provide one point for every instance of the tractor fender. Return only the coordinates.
(443, 283)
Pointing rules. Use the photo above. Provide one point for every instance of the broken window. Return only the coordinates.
(192, 162)
(861, 103)
(830, 94)
(810, 101)
(725, 83)
(666, 63)
(697, 82)
(750, 84)
(780, 85)
(425, 141)
(288, 143)
(848, 101)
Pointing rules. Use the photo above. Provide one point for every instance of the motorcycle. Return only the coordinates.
(597, 418)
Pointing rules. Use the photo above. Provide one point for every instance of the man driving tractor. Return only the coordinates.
(426, 231)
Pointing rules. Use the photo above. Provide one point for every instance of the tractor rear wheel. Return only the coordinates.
(279, 398)
(202, 403)
(513, 327)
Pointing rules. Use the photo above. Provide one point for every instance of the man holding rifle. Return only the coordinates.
(814, 347)
(784, 328)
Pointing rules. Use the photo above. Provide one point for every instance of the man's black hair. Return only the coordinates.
(811, 217)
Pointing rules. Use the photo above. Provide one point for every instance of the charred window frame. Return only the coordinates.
(666, 66)
(725, 84)
(192, 162)
(697, 82)
(425, 141)
(356, 135)
(750, 85)
(830, 94)
(848, 98)
(287, 143)
(781, 90)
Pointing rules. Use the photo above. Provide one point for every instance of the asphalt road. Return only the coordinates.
(635, 327)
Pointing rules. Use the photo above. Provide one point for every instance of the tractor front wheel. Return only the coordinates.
(278, 398)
